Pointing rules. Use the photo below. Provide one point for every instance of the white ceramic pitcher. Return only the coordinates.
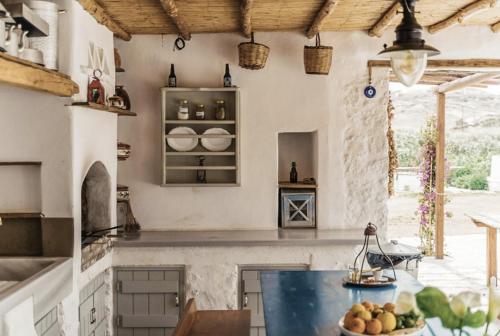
(15, 40)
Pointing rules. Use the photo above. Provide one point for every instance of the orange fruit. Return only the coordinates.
(349, 316)
(357, 326)
(390, 307)
(374, 327)
(368, 306)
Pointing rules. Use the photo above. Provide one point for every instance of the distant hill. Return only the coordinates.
(471, 111)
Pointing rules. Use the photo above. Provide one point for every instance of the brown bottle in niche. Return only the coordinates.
(294, 176)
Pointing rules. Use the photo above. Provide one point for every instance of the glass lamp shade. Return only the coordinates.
(409, 65)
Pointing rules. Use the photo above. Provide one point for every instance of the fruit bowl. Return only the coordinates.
(417, 331)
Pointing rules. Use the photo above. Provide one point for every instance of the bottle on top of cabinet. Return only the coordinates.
(220, 110)
(183, 112)
(227, 77)
(172, 79)
(294, 176)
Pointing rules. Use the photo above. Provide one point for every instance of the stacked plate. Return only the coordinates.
(212, 144)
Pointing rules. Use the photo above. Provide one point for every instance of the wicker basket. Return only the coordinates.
(318, 59)
(253, 55)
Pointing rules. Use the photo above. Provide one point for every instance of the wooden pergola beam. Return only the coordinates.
(325, 11)
(447, 64)
(386, 20)
(462, 14)
(462, 83)
(171, 9)
(246, 17)
(102, 17)
(440, 174)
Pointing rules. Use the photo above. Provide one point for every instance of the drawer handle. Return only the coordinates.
(176, 299)
(245, 300)
(92, 316)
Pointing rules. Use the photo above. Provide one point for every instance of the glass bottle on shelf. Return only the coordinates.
(200, 112)
(220, 110)
(294, 176)
(201, 175)
(183, 112)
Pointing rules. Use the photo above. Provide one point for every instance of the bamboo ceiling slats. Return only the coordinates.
(215, 16)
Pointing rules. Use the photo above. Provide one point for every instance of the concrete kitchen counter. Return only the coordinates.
(47, 280)
(239, 238)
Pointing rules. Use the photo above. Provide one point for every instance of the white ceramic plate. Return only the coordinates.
(418, 331)
(182, 144)
(216, 144)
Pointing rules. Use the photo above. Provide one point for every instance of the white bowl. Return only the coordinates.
(418, 331)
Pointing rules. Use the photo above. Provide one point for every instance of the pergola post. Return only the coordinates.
(440, 174)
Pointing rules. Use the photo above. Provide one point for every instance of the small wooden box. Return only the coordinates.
(298, 208)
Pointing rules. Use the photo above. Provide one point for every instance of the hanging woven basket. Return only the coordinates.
(318, 59)
(252, 55)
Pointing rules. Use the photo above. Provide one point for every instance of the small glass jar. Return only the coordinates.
(220, 110)
(200, 112)
(183, 112)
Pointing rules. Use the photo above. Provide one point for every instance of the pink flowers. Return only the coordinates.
(427, 174)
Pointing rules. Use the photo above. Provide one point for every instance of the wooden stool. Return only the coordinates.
(213, 322)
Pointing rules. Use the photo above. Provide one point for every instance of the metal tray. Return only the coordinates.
(389, 282)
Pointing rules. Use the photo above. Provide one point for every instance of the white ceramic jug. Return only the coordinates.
(15, 40)
(2, 34)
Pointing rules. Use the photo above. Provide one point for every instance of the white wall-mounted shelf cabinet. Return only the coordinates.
(179, 169)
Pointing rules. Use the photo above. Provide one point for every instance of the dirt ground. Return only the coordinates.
(404, 222)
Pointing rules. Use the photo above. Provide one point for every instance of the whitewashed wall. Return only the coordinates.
(280, 98)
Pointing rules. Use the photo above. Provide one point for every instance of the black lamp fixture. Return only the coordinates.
(409, 52)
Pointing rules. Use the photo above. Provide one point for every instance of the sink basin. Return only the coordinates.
(47, 280)
(19, 269)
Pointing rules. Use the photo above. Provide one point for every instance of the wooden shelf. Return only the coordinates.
(200, 122)
(201, 136)
(20, 163)
(200, 153)
(17, 215)
(105, 108)
(180, 168)
(200, 168)
(28, 75)
(219, 89)
(299, 185)
(195, 185)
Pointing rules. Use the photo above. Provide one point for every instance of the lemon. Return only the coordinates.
(388, 321)
(357, 308)
(365, 315)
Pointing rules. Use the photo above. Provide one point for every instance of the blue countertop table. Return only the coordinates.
(311, 303)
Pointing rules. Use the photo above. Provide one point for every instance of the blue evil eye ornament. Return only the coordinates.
(370, 92)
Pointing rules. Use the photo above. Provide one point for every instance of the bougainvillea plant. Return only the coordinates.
(427, 175)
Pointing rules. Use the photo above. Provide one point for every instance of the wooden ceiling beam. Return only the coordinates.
(462, 83)
(171, 9)
(102, 17)
(462, 14)
(385, 21)
(246, 17)
(325, 11)
(472, 64)
(495, 27)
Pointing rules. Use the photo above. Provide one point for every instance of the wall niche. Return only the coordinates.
(301, 148)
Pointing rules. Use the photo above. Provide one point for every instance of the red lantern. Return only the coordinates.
(95, 91)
